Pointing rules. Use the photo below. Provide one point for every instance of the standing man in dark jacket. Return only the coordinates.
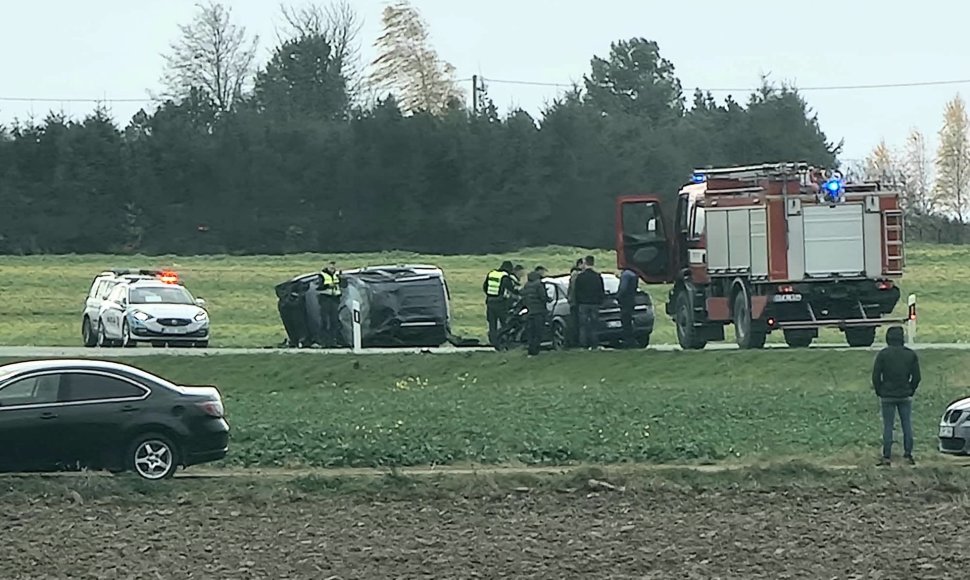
(535, 298)
(895, 377)
(498, 288)
(626, 296)
(590, 294)
(572, 334)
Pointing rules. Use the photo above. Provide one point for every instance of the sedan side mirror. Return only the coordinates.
(200, 302)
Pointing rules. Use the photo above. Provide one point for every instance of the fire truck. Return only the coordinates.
(771, 247)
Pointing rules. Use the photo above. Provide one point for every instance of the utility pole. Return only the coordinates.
(475, 94)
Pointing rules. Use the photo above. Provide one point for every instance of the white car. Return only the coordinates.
(125, 308)
(954, 435)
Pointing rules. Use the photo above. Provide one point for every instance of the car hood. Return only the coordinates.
(167, 310)
(961, 404)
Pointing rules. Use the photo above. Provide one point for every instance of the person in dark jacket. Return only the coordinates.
(590, 294)
(535, 298)
(572, 334)
(895, 378)
(626, 296)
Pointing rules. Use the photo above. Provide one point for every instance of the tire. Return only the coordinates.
(684, 321)
(103, 340)
(860, 337)
(153, 457)
(559, 335)
(799, 338)
(643, 341)
(88, 335)
(126, 341)
(747, 335)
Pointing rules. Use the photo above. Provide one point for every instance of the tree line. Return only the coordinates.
(312, 151)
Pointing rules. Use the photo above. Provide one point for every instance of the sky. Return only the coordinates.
(59, 50)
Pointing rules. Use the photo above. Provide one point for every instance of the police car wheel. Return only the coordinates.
(88, 335)
(126, 340)
(103, 340)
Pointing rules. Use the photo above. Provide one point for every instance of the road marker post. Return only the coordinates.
(911, 318)
(355, 324)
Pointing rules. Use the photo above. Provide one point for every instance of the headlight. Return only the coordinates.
(201, 316)
(141, 316)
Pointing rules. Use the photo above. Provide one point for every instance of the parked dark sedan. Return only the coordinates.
(58, 415)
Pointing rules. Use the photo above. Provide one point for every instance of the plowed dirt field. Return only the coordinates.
(515, 534)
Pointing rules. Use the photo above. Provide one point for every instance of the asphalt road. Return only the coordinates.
(81, 352)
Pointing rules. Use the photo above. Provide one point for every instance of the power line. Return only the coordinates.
(753, 89)
(875, 86)
(75, 100)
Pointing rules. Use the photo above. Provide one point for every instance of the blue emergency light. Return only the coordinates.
(834, 188)
(698, 178)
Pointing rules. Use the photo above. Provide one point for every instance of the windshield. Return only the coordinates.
(161, 295)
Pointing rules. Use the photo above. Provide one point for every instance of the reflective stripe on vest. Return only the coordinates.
(331, 284)
(494, 279)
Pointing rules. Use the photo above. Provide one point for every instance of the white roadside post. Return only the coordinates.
(355, 324)
(911, 318)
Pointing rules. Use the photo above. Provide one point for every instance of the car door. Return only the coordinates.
(642, 243)
(31, 431)
(113, 310)
(97, 410)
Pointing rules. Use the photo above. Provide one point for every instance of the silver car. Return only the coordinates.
(954, 431)
(151, 310)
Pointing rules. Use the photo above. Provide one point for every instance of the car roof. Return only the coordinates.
(30, 366)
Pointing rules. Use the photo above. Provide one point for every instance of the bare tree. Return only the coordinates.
(953, 161)
(338, 24)
(213, 54)
(408, 66)
(917, 178)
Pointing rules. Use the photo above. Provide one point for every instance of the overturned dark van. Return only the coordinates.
(400, 306)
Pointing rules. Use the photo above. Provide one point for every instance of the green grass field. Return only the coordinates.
(41, 297)
(609, 407)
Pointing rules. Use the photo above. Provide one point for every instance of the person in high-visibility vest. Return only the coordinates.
(498, 288)
(330, 292)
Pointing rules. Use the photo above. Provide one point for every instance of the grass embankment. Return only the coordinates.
(606, 408)
(41, 296)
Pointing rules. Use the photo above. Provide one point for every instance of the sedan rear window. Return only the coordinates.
(161, 295)
(97, 387)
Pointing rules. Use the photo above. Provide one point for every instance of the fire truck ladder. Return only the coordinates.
(754, 172)
(892, 228)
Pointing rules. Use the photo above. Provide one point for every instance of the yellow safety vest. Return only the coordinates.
(494, 283)
(331, 284)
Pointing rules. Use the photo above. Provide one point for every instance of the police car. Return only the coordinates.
(125, 307)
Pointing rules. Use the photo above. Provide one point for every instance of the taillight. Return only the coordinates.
(884, 284)
(212, 408)
(786, 289)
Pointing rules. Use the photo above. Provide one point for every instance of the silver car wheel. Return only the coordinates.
(154, 459)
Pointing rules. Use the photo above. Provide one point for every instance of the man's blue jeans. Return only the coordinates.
(890, 407)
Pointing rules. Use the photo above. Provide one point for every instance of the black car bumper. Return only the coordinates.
(208, 443)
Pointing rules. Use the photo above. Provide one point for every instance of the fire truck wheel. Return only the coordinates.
(687, 334)
(860, 337)
(799, 338)
(745, 330)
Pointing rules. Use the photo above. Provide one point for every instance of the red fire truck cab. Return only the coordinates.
(770, 247)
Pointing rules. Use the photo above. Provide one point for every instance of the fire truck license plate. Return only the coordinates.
(787, 298)
(946, 431)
